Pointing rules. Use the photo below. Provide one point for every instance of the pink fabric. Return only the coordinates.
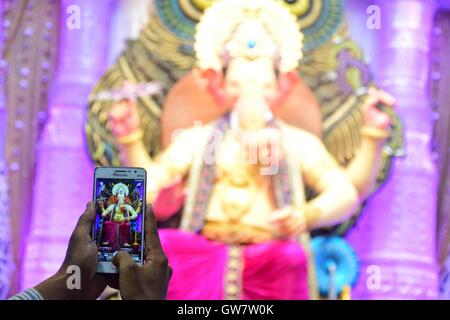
(274, 270)
(116, 234)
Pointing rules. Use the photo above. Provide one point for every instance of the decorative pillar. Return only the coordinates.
(29, 54)
(396, 235)
(440, 78)
(64, 172)
(5, 239)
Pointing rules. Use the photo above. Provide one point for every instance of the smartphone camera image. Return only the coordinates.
(119, 197)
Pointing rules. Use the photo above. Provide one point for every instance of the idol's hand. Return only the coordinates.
(289, 221)
(124, 118)
(150, 281)
(101, 204)
(372, 115)
(77, 277)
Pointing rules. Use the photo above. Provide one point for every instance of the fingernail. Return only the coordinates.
(115, 253)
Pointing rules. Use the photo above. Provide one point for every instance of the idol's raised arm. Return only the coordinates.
(337, 197)
(170, 164)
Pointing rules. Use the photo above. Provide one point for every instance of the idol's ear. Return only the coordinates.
(188, 102)
(297, 105)
(286, 83)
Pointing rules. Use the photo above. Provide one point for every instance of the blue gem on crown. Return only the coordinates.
(251, 44)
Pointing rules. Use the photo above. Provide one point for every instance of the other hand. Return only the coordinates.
(289, 221)
(372, 115)
(124, 118)
(77, 277)
(150, 281)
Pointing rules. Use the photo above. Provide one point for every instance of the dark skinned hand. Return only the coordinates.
(134, 282)
(81, 254)
(150, 281)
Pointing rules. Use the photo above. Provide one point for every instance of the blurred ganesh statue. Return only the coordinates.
(268, 128)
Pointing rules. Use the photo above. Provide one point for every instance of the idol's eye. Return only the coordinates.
(199, 4)
(298, 7)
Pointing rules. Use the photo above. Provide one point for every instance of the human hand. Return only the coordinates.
(150, 281)
(289, 221)
(374, 117)
(81, 256)
(124, 118)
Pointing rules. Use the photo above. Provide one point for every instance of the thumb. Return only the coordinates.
(128, 269)
(84, 224)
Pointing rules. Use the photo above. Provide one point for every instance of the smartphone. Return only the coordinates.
(119, 198)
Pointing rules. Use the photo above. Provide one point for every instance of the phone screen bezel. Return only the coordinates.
(130, 173)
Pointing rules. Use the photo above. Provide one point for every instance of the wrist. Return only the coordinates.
(375, 133)
(55, 288)
(311, 213)
(130, 138)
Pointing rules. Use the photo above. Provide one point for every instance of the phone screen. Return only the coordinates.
(119, 217)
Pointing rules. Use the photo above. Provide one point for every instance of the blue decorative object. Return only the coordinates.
(251, 44)
(333, 252)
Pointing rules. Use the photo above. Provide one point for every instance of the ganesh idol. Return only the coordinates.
(246, 221)
(117, 218)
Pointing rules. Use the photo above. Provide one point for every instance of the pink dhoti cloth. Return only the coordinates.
(116, 234)
(272, 270)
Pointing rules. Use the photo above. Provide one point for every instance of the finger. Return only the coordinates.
(96, 286)
(118, 111)
(280, 215)
(128, 269)
(386, 98)
(127, 84)
(112, 280)
(289, 228)
(152, 241)
(296, 227)
(168, 277)
(84, 224)
(372, 91)
(371, 101)
(283, 230)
